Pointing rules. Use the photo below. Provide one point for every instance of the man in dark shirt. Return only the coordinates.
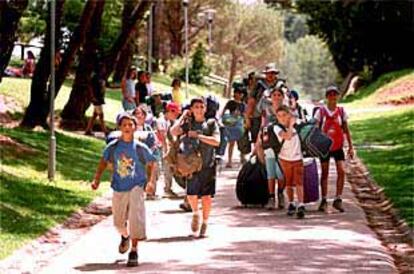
(141, 88)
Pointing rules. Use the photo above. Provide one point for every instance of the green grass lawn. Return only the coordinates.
(29, 203)
(19, 89)
(367, 94)
(390, 158)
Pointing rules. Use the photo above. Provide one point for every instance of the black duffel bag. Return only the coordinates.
(251, 186)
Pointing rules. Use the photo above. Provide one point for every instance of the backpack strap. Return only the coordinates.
(274, 142)
(140, 153)
(138, 149)
(342, 115)
(111, 148)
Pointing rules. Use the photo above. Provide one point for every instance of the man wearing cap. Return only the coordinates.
(129, 160)
(253, 114)
(333, 121)
(172, 111)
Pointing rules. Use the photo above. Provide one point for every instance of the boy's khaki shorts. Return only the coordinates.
(129, 206)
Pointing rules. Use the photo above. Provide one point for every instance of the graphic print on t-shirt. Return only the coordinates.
(125, 166)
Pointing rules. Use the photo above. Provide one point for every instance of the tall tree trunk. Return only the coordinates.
(38, 109)
(126, 55)
(174, 23)
(80, 99)
(127, 32)
(76, 41)
(10, 14)
(73, 113)
(233, 68)
(157, 35)
(123, 63)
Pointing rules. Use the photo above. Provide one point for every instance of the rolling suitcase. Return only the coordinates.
(251, 186)
(310, 181)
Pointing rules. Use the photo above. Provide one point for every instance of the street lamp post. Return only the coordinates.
(52, 141)
(210, 16)
(185, 4)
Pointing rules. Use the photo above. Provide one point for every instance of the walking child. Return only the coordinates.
(291, 159)
(129, 159)
(333, 121)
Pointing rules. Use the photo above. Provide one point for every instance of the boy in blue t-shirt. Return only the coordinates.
(129, 159)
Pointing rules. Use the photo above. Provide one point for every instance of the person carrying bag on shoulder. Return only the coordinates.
(333, 121)
(193, 128)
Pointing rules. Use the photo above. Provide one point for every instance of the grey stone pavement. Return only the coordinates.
(240, 240)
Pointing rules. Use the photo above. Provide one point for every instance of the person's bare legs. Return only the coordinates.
(340, 181)
(231, 149)
(90, 123)
(102, 122)
(324, 186)
(324, 178)
(271, 184)
(193, 201)
(206, 201)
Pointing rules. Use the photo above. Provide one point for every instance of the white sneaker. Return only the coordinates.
(271, 204)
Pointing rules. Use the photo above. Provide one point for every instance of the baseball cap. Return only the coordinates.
(125, 115)
(271, 67)
(172, 106)
(332, 88)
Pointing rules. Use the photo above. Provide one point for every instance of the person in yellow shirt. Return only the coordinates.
(177, 96)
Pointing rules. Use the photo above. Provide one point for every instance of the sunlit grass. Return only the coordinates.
(29, 203)
(385, 142)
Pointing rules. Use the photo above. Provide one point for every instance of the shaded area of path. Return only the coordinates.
(240, 241)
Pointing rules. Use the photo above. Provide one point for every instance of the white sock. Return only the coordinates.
(301, 204)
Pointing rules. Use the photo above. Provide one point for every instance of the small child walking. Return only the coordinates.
(291, 159)
(129, 159)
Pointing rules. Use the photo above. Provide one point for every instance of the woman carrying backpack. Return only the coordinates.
(193, 125)
(333, 121)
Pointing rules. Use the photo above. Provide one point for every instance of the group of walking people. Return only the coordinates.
(262, 111)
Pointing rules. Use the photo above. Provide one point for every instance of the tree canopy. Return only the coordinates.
(374, 35)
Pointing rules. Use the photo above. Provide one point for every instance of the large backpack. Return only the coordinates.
(313, 141)
(184, 165)
(213, 105)
(251, 186)
(331, 127)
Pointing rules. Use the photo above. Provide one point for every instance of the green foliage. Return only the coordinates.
(385, 143)
(29, 204)
(111, 23)
(362, 34)
(249, 35)
(198, 67)
(295, 26)
(71, 13)
(33, 22)
(16, 62)
(308, 65)
(197, 70)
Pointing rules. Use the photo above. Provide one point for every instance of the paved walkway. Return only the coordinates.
(240, 241)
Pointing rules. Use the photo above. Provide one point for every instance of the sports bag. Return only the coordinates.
(313, 141)
(251, 185)
(182, 165)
